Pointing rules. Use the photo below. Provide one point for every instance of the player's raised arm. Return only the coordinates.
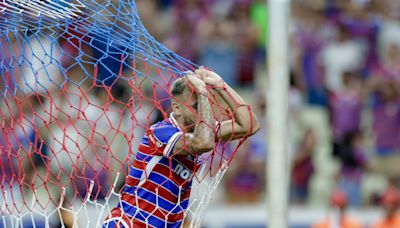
(192, 110)
(244, 122)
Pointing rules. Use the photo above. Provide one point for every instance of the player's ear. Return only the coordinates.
(176, 108)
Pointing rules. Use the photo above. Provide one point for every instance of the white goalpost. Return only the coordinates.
(277, 113)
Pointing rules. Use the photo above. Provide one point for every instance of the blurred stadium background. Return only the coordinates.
(344, 99)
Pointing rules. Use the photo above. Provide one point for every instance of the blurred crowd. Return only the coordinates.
(346, 60)
(344, 88)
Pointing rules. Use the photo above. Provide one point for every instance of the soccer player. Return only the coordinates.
(157, 189)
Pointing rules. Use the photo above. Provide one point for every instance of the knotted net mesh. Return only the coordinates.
(80, 83)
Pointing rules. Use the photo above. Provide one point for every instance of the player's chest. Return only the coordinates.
(184, 167)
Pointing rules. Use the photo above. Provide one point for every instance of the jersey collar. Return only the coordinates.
(173, 121)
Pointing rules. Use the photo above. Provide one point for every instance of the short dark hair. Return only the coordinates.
(178, 87)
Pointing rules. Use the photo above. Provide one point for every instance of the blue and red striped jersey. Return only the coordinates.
(158, 186)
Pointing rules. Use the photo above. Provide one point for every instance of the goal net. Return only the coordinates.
(81, 81)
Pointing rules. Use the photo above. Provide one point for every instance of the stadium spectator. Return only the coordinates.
(188, 30)
(343, 54)
(362, 27)
(246, 36)
(384, 88)
(303, 168)
(389, 33)
(389, 65)
(218, 50)
(345, 107)
(311, 32)
(353, 162)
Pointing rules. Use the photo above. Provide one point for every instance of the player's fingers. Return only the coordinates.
(194, 79)
(201, 68)
(188, 80)
(201, 72)
(187, 73)
(188, 76)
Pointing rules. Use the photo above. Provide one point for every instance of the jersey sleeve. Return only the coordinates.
(163, 139)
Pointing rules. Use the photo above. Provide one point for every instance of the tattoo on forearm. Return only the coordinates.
(206, 126)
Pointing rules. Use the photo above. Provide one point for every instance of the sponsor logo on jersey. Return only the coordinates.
(182, 171)
(156, 142)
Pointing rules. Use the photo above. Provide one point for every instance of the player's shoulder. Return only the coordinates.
(163, 130)
(163, 125)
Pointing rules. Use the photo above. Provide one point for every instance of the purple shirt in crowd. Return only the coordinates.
(365, 30)
(387, 126)
(346, 113)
